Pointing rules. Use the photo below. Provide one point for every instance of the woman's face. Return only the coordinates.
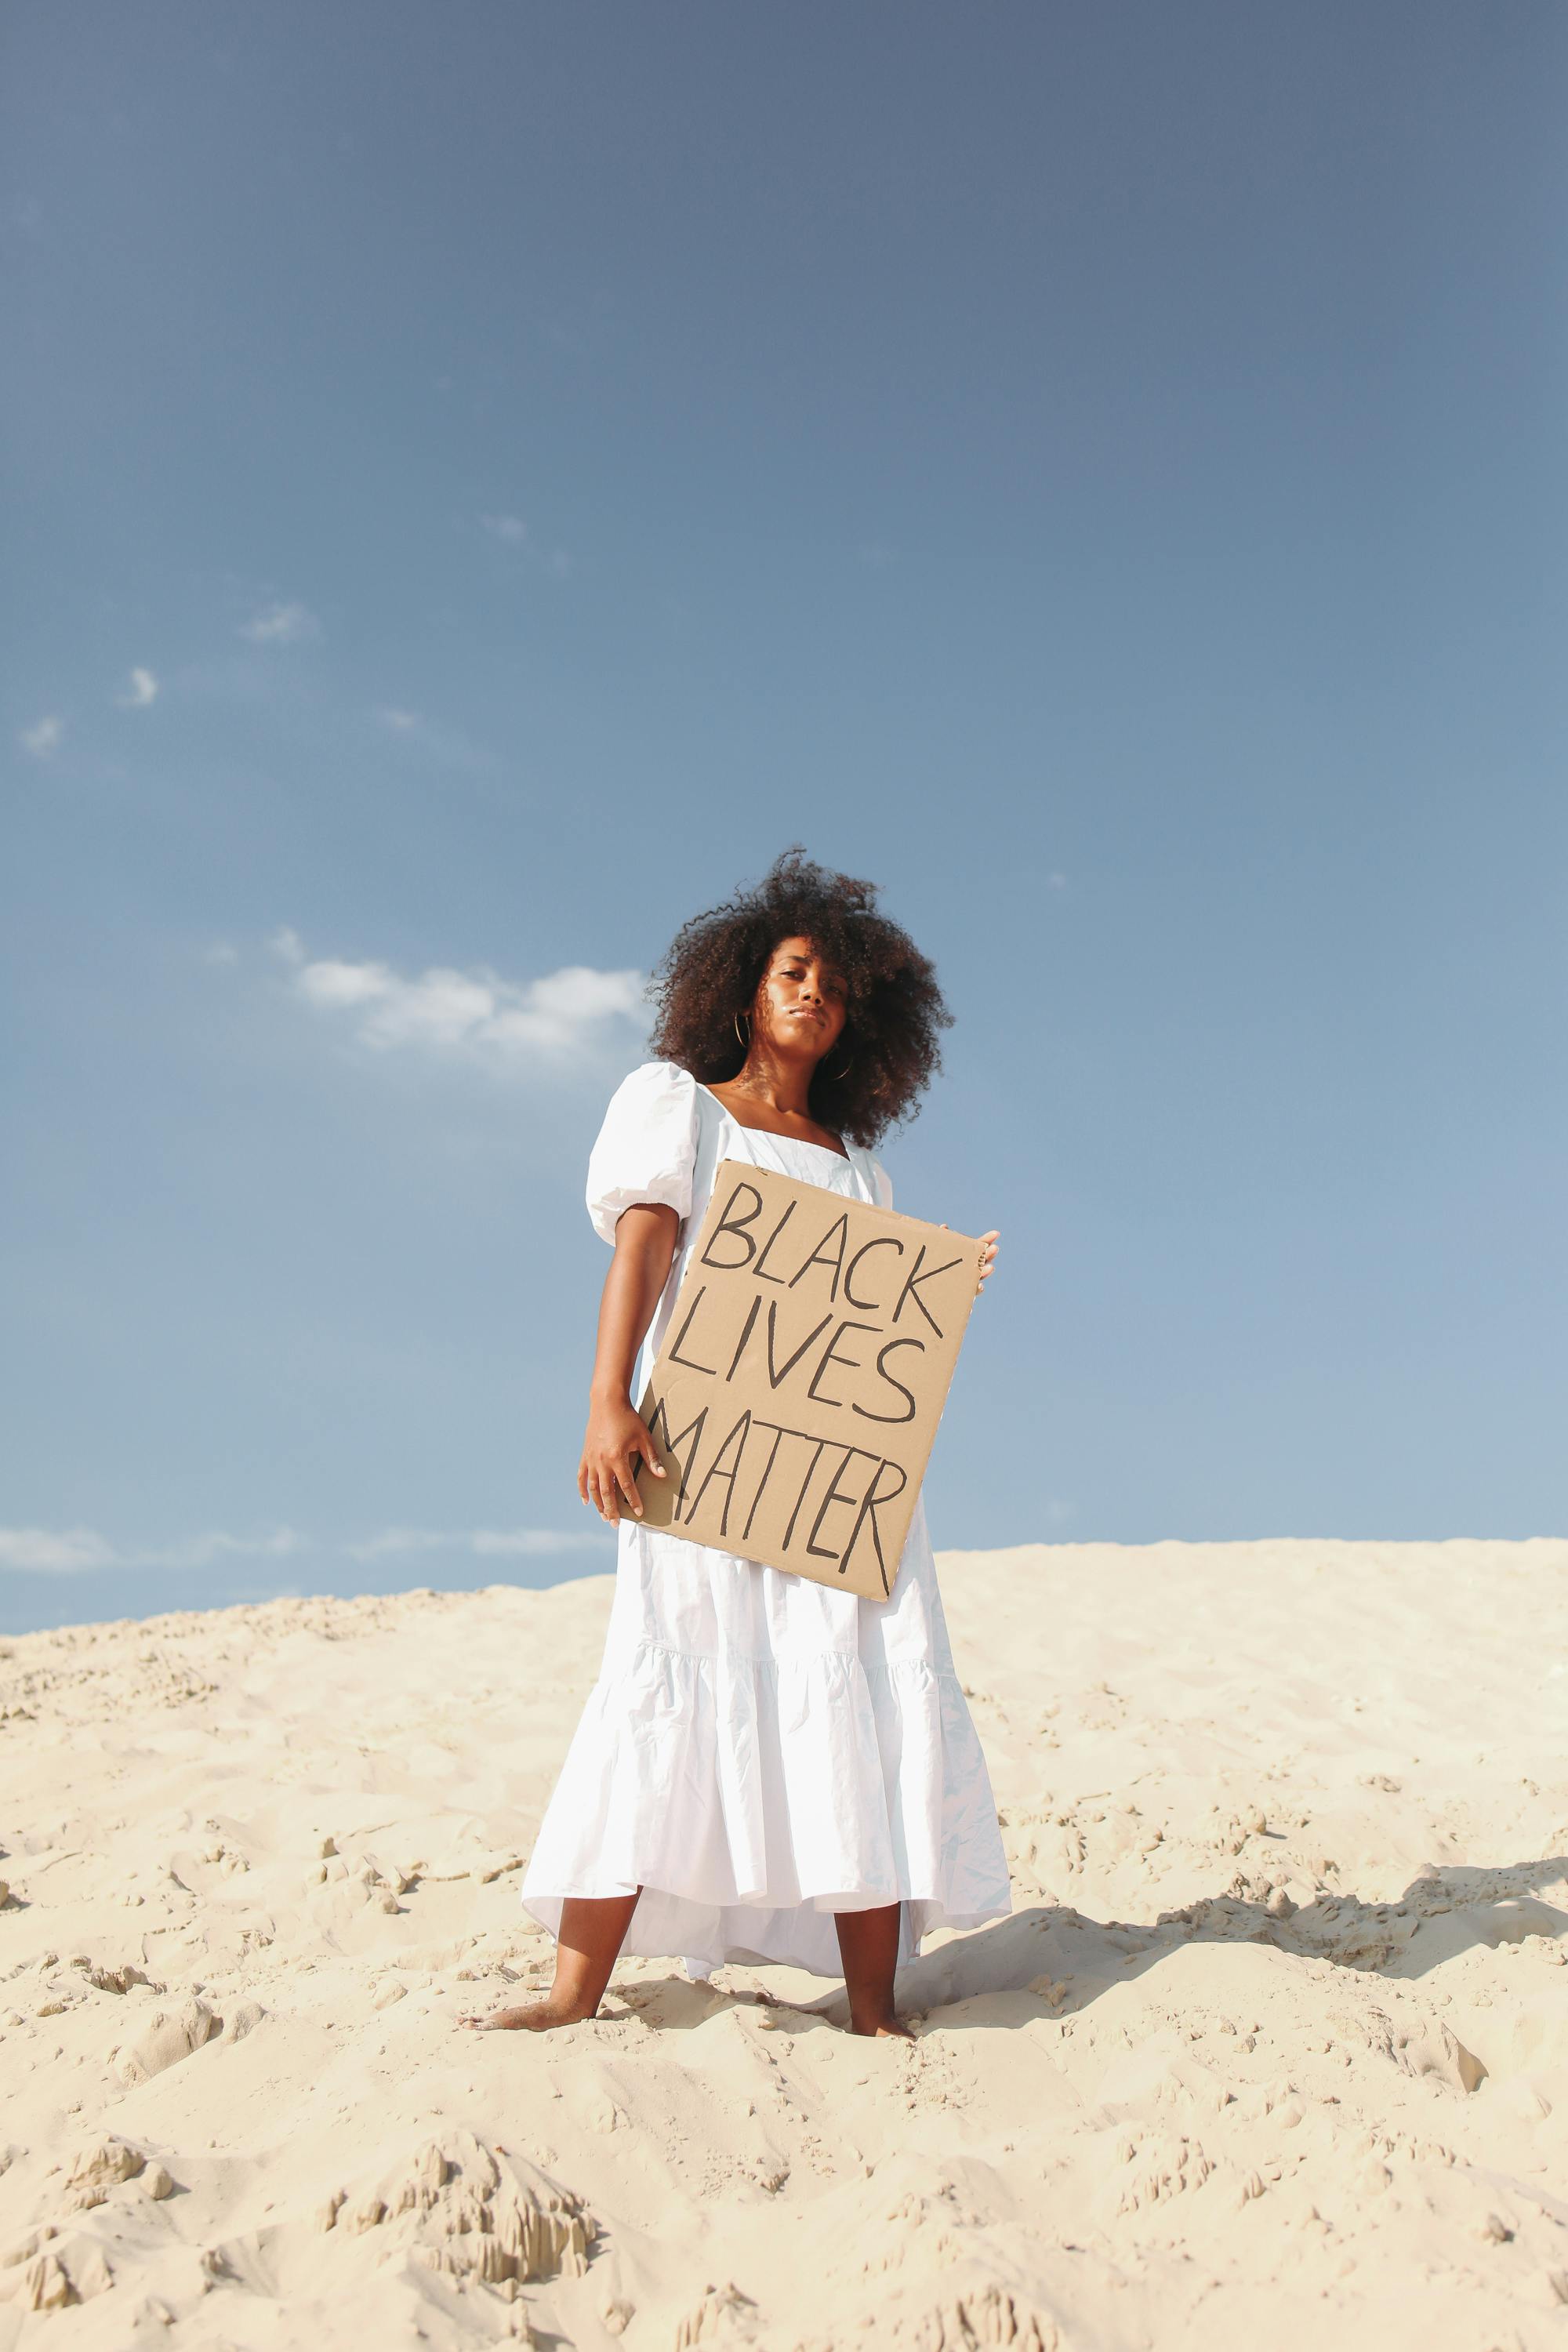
(801, 1004)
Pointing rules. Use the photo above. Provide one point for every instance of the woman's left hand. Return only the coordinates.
(987, 1258)
(987, 1252)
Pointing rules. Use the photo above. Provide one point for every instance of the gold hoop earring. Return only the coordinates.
(746, 1040)
(844, 1073)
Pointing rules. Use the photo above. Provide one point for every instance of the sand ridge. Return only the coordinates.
(1276, 2040)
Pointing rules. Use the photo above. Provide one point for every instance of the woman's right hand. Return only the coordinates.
(616, 1442)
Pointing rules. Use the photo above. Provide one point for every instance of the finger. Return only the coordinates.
(650, 1460)
(627, 1480)
(602, 1502)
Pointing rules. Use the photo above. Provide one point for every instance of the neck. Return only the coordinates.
(785, 1087)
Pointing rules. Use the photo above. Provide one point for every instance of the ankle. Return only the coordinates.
(570, 2009)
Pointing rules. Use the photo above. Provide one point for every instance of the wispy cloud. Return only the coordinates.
(52, 1550)
(281, 625)
(481, 1543)
(512, 531)
(144, 690)
(64, 1551)
(432, 738)
(475, 1013)
(43, 738)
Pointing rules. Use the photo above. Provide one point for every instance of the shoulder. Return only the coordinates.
(646, 1146)
(655, 1089)
(654, 1079)
(881, 1183)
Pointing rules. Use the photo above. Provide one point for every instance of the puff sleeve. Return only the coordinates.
(646, 1146)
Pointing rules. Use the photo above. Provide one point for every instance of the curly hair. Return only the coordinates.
(711, 971)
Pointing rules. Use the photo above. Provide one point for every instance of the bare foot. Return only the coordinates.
(893, 2027)
(537, 2017)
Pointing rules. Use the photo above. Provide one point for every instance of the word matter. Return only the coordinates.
(801, 1377)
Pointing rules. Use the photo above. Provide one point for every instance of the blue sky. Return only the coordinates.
(481, 481)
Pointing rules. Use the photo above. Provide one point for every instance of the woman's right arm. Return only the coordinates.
(645, 1236)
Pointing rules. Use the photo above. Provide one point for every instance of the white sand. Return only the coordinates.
(1288, 1823)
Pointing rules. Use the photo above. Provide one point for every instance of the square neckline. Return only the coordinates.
(802, 1140)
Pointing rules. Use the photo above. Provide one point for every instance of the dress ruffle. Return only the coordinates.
(760, 1752)
(751, 1798)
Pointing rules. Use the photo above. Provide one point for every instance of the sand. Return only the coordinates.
(1273, 2050)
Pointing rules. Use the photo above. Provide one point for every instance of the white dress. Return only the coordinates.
(760, 1751)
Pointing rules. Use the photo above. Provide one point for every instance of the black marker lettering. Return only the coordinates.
(850, 1364)
(737, 1437)
(736, 1226)
(767, 1473)
(869, 1509)
(761, 1263)
(774, 1373)
(675, 1354)
(882, 1355)
(866, 1305)
(746, 1329)
(819, 1257)
(814, 1550)
(912, 1287)
(810, 1472)
(672, 1443)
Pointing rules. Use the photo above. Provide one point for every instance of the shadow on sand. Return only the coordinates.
(1439, 1916)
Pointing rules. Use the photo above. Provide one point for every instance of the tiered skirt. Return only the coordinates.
(760, 1752)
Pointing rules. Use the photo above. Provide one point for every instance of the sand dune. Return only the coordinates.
(1275, 2044)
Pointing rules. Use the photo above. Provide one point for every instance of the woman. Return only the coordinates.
(767, 1768)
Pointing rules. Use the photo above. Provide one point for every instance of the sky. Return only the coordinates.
(482, 481)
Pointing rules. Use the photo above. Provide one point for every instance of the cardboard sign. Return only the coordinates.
(803, 1374)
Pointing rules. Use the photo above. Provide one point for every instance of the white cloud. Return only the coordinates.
(144, 690)
(483, 1543)
(282, 624)
(477, 1012)
(45, 1549)
(43, 738)
(50, 1551)
(447, 745)
(66, 1550)
(511, 528)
